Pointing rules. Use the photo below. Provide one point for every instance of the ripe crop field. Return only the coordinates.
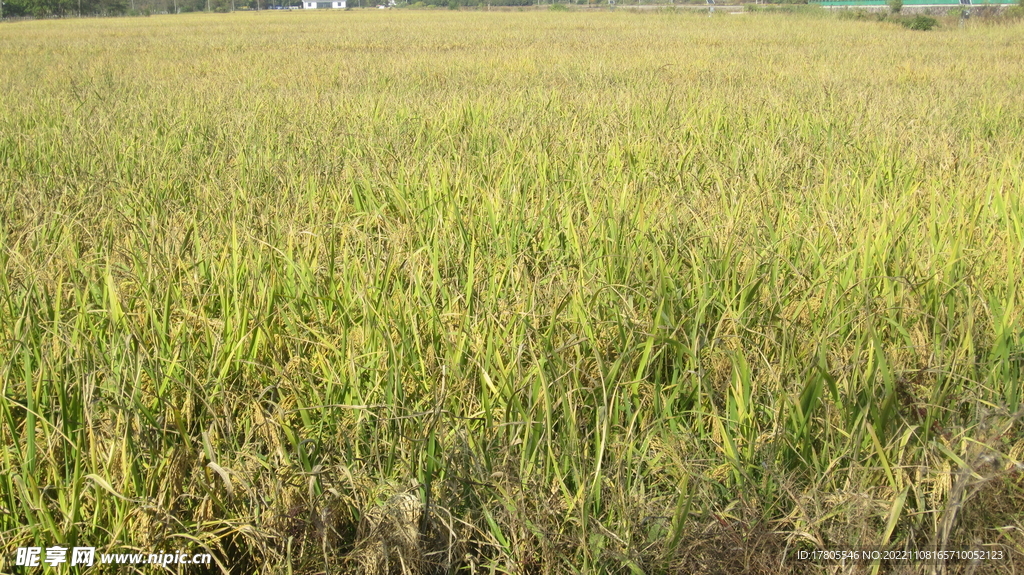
(583, 292)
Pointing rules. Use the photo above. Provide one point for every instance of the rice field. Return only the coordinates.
(511, 292)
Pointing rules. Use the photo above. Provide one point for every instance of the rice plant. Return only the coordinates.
(587, 292)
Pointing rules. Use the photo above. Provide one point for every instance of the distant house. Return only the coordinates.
(317, 4)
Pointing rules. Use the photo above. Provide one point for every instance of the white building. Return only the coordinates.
(319, 4)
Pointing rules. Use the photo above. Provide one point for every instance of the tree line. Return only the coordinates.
(66, 8)
(71, 8)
